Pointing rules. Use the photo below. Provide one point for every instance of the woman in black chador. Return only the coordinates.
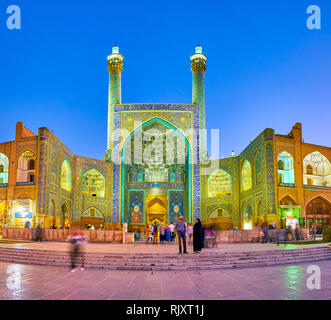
(197, 236)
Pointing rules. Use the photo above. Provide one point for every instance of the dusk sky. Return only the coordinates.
(265, 68)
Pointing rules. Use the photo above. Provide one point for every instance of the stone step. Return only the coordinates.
(181, 259)
(144, 255)
(167, 256)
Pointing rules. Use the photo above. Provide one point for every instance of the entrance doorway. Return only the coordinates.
(156, 209)
(64, 215)
(318, 211)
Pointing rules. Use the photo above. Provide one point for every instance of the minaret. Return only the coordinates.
(115, 68)
(198, 67)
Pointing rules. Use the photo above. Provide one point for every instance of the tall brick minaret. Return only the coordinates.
(115, 68)
(198, 67)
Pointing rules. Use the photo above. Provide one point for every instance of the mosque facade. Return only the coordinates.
(156, 167)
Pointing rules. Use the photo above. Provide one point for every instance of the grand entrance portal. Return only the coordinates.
(156, 209)
(156, 186)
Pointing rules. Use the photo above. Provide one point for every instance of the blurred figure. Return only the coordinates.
(39, 233)
(297, 232)
(150, 238)
(190, 234)
(27, 224)
(77, 241)
(167, 234)
(314, 230)
(162, 233)
(180, 228)
(101, 227)
(197, 236)
(147, 233)
(265, 230)
(172, 231)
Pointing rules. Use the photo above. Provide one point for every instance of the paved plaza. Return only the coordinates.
(142, 248)
(26, 282)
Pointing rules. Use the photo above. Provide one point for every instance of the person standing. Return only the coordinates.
(197, 236)
(172, 231)
(155, 232)
(180, 228)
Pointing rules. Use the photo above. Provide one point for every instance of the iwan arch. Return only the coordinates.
(277, 178)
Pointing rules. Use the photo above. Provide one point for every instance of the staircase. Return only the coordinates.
(158, 262)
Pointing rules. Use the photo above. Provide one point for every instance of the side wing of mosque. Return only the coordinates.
(156, 168)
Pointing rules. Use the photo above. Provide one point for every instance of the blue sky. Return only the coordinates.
(266, 69)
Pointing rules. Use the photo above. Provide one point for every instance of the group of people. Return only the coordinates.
(159, 232)
(269, 233)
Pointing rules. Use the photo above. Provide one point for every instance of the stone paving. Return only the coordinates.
(26, 282)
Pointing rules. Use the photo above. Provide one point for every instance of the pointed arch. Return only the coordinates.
(219, 183)
(66, 175)
(247, 217)
(93, 183)
(318, 206)
(287, 201)
(285, 168)
(246, 176)
(317, 170)
(93, 213)
(64, 214)
(25, 171)
(52, 208)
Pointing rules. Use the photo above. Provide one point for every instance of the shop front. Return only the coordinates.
(318, 211)
(22, 212)
(290, 216)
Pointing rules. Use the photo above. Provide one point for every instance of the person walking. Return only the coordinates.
(77, 240)
(314, 230)
(180, 228)
(162, 233)
(155, 232)
(197, 236)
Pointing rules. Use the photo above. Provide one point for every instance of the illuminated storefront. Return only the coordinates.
(289, 213)
(22, 211)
